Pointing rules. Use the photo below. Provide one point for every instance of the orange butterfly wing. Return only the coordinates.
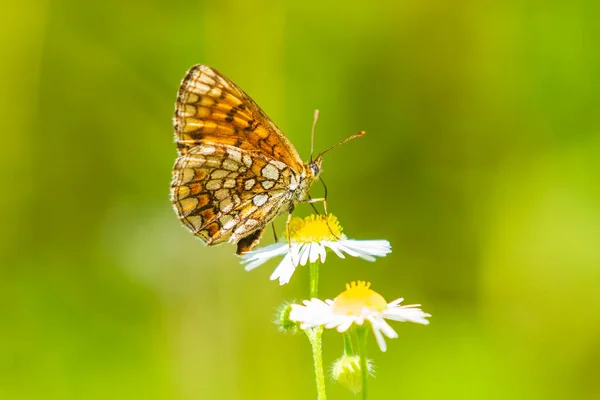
(212, 109)
(235, 167)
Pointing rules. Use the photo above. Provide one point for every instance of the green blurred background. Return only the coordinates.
(481, 165)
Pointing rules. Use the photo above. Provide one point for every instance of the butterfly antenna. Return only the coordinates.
(359, 134)
(312, 138)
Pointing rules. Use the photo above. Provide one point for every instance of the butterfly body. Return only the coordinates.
(236, 171)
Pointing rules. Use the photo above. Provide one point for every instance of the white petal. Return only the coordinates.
(315, 249)
(256, 258)
(298, 312)
(407, 313)
(335, 248)
(367, 257)
(379, 338)
(322, 253)
(367, 249)
(395, 302)
(334, 321)
(284, 270)
(314, 312)
(343, 327)
(346, 249)
(375, 247)
(304, 253)
(384, 327)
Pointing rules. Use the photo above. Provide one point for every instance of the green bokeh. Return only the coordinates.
(481, 165)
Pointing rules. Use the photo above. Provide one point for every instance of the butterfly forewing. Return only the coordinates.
(212, 109)
(235, 168)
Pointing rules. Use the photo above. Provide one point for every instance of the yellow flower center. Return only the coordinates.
(315, 228)
(356, 297)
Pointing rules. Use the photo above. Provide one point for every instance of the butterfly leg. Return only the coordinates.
(287, 230)
(324, 196)
(324, 200)
(317, 200)
(313, 205)
(274, 232)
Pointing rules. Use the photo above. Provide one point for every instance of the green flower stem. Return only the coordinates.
(348, 348)
(315, 339)
(315, 336)
(361, 334)
(314, 279)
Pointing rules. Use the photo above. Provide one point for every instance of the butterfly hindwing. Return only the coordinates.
(222, 193)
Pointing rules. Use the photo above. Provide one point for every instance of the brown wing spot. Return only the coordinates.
(264, 146)
(195, 188)
(203, 200)
(213, 229)
(208, 214)
(247, 243)
(200, 175)
(230, 114)
(181, 148)
(257, 166)
(252, 125)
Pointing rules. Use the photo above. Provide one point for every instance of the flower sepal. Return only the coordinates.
(283, 321)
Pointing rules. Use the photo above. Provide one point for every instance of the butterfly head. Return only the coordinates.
(315, 166)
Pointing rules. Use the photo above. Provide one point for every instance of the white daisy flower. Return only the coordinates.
(357, 304)
(308, 242)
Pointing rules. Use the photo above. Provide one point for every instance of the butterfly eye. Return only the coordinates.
(315, 169)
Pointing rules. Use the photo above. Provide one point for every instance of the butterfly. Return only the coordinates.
(236, 171)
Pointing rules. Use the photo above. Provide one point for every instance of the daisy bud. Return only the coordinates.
(346, 371)
(282, 318)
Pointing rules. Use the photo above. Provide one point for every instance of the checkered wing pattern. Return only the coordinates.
(235, 167)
